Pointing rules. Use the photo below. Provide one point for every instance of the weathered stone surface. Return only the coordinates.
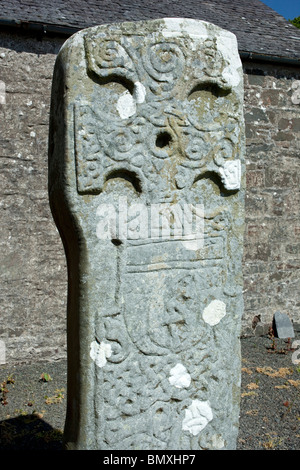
(32, 263)
(147, 121)
(271, 252)
(283, 326)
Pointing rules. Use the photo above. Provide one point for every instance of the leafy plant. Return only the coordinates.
(4, 390)
(10, 380)
(295, 21)
(45, 377)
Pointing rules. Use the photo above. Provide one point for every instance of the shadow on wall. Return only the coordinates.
(29, 432)
(30, 41)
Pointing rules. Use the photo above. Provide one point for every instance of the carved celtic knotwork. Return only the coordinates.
(107, 57)
(164, 63)
(146, 158)
(191, 128)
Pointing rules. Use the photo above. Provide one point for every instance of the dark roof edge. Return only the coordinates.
(40, 29)
(43, 29)
(257, 57)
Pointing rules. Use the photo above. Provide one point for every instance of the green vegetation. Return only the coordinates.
(296, 21)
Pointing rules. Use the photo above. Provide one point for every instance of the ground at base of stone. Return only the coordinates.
(33, 399)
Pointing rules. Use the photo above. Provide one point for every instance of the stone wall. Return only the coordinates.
(272, 235)
(32, 262)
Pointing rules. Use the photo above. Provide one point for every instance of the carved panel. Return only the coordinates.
(151, 186)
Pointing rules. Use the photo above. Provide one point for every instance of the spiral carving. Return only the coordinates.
(164, 61)
(110, 54)
(108, 57)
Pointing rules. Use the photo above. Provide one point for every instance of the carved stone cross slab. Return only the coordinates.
(146, 185)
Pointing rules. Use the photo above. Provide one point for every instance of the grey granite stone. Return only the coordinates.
(146, 185)
(283, 326)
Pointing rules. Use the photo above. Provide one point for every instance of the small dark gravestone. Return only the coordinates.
(283, 326)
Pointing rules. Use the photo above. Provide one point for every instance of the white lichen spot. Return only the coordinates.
(227, 45)
(191, 27)
(139, 92)
(126, 105)
(179, 377)
(214, 312)
(296, 92)
(99, 352)
(230, 174)
(2, 93)
(197, 416)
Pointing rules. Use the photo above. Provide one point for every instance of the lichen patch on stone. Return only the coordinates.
(179, 377)
(231, 174)
(197, 416)
(99, 352)
(214, 312)
(126, 105)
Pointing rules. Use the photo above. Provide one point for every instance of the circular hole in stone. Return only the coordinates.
(163, 140)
